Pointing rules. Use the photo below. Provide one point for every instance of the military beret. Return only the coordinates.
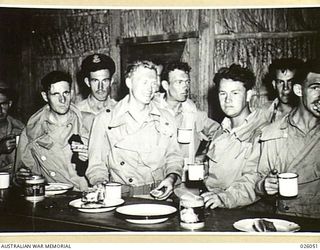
(97, 62)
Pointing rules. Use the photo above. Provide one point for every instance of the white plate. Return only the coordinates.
(152, 221)
(246, 225)
(57, 188)
(97, 208)
(145, 213)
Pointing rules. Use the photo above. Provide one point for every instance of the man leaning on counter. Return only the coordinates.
(135, 144)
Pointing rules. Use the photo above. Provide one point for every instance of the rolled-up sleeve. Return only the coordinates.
(98, 151)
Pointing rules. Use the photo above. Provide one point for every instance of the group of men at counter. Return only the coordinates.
(134, 141)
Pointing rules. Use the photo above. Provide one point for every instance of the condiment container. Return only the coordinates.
(34, 188)
(191, 212)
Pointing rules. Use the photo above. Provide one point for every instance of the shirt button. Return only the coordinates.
(167, 123)
(122, 163)
(109, 128)
(108, 110)
(286, 208)
(130, 180)
(53, 174)
(43, 158)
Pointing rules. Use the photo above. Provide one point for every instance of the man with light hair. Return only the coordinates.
(135, 143)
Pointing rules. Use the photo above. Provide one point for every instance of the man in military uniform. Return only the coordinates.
(10, 129)
(46, 144)
(135, 144)
(176, 83)
(233, 153)
(98, 70)
(280, 83)
(292, 145)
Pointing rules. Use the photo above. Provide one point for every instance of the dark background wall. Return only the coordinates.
(36, 41)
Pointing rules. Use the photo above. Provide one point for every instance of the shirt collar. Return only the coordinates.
(71, 115)
(92, 102)
(123, 108)
(253, 121)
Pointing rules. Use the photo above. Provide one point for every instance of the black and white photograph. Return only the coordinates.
(160, 120)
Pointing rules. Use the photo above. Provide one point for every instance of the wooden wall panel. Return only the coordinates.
(156, 22)
(60, 39)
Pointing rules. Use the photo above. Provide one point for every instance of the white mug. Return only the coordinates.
(4, 180)
(113, 191)
(184, 135)
(17, 139)
(288, 184)
(196, 171)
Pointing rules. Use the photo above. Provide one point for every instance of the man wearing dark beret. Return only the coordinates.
(98, 70)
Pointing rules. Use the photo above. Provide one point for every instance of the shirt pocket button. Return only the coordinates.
(130, 180)
(122, 163)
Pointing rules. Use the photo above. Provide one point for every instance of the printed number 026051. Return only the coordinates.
(309, 245)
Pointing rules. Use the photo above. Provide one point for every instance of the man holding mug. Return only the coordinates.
(176, 83)
(291, 145)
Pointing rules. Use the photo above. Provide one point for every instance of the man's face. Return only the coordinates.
(143, 84)
(232, 97)
(5, 104)
(100, 84)
(283, 84)
(178, 87)
(59, 97)
(311, 94)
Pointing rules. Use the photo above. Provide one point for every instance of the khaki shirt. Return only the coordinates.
(233, 158)
(88, 105)
(288, 149)
(272, 111)
(204, 127)
(124, 149)
(14, 127)
(45, 150)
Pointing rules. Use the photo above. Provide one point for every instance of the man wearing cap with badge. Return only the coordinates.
(135, 144)
(10, 129)
(54, 141)
(98, 70)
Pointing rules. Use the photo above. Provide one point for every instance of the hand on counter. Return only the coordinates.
(165, 187)
(211, 200)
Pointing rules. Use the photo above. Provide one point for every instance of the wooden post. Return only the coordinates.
(206, 55)
(115, 32)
